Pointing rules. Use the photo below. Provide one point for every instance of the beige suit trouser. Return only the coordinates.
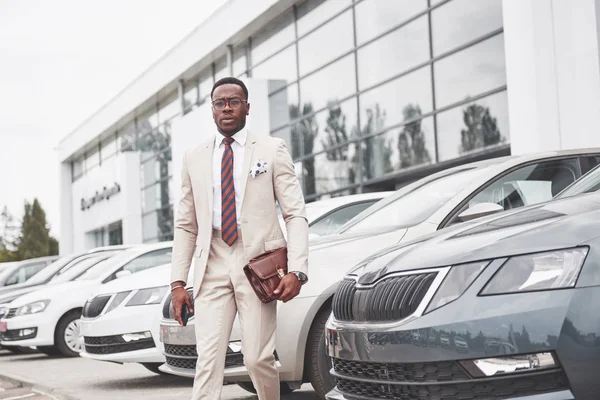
(225, 290)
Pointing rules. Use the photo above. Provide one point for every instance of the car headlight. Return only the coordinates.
(556, 269)
(33, 308)
(117, 300)
(455, 283)
(148, 296)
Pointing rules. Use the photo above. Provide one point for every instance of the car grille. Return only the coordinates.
(419, 372)
(115, 344)
(437, 381)
(183, 363)
(181, 351)
(185, 356)
(390, 299)
(94, 307)
(168, 309)
(11, 313)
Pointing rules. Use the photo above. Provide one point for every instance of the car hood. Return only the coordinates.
(10, 296)
(329, 241)
(150, 278)
(51, 292)
(556, 224)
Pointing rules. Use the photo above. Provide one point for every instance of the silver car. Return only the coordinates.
(443, 199)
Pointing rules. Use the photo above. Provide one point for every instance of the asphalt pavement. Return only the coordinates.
(38, 375)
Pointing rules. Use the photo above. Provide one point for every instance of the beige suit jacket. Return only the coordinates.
(260, 228)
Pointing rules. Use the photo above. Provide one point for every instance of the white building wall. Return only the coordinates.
(553, 74)
(125, 206)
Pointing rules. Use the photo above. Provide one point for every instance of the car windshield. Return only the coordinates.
(77, 268)
(588, 183)
(416, 206)
(47, 273)
(313, 211)
(105, 266)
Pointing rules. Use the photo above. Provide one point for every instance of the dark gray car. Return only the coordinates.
(499, 308)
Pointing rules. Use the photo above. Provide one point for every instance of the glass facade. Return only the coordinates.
(360, 90)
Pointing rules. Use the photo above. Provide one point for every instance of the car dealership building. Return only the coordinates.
(368, 94)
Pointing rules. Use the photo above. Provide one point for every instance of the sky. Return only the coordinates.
(60, 61)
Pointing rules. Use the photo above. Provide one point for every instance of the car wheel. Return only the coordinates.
(317, 362)
(49, 350)
(249, 387)
(68, 338)
(153, 367)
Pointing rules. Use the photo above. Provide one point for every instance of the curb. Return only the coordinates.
(25, 383)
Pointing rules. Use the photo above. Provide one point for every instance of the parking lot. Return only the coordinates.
(83, 379)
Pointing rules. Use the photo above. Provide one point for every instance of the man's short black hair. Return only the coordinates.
(229, 80)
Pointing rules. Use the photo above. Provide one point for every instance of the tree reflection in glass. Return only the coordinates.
(481, 129)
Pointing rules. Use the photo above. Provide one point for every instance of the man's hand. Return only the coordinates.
(180, 296)
(288, 288)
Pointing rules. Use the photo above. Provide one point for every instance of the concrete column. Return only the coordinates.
(553, 74)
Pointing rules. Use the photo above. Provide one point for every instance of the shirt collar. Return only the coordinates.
(240, 138)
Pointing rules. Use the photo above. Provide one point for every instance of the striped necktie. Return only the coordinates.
(228, 213)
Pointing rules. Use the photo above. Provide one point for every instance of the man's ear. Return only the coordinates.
(247, 108)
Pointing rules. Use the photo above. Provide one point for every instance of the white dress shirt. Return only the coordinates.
(238, 147)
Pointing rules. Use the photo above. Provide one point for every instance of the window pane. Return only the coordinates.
(461, 21)
(473, 126)
(395, 102)
(221, 70)
(190, 95)
(335, 125)
(92, 158)
(157, 168)
(312, 13)
(330, 84)
(529, 185)
(326, 43)
(275, 36)
(127, 137)
(470, 72)
(77, 168)
(169, 108)
(373, 17)
(410, 44)
(156, 141)
(156, 196)
(411, 145)
(281, 67)
(239, 60)
(285, 133)
(158, 224)
(149, 260)
(147, 121)
(109, 147)
(336, 219)
(206, 82)
(282, 106)
(328, 171)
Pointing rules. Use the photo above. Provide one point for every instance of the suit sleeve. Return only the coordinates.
(186, 229)
(291, 202)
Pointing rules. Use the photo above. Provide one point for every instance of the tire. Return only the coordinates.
(317, 363)
(249, 387)
(67, 322)
(49, 351)
(153, 367)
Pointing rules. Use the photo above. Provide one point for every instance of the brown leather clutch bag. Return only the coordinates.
(265, 272)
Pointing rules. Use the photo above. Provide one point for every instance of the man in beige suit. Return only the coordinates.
(227, 215)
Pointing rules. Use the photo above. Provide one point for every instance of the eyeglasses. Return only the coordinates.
(234, 103)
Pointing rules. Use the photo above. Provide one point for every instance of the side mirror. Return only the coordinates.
(124, 273)
(479, 210)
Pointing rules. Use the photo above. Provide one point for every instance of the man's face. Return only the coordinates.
(230, 108)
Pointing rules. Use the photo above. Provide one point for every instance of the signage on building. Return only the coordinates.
(105, 194)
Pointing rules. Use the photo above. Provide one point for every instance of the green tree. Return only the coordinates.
(303, 140)
(8, 233)
(411, 139)
(35, 240)
(481, 129)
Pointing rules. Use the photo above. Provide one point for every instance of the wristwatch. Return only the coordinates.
(301, 276)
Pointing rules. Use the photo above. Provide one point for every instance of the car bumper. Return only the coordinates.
(181, 355)
(43, 336)
(408, 357)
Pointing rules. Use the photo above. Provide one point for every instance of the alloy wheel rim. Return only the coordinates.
(73, 336)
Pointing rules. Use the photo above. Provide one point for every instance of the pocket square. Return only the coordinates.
(259, 167)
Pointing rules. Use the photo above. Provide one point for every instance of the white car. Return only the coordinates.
(328, 215)
(49, 318)
(442, 199)
(125, 329)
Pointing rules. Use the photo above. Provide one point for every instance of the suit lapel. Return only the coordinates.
(250, 142)
(207, 161)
